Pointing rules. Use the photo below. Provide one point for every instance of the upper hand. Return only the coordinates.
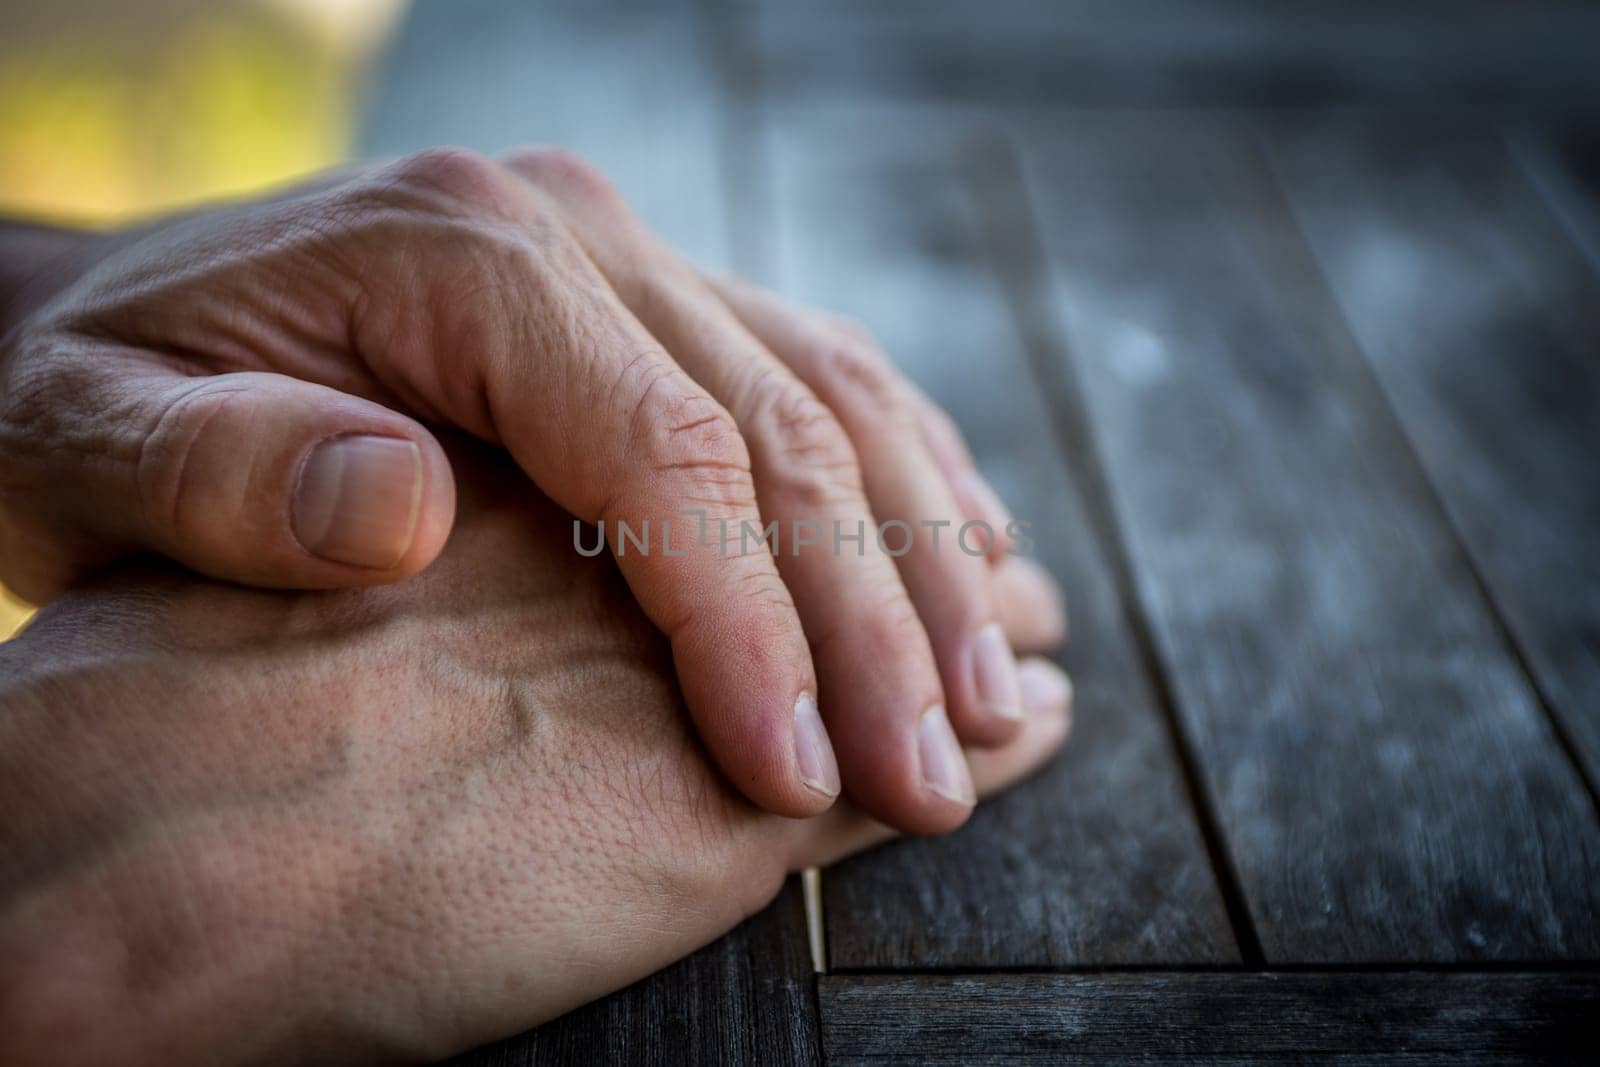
(241, 390)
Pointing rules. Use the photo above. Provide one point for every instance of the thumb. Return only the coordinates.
(269, 480)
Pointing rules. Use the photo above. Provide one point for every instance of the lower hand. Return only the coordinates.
(246, 825)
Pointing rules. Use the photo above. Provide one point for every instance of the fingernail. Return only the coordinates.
(358, 499)
(818, 769)
(994, 673)
(1045, 687)
(944, 765)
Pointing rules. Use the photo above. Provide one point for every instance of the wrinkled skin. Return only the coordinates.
(243, 825)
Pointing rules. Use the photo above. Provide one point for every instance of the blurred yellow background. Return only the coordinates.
(115, 109)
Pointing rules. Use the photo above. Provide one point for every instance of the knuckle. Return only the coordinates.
(456, 173)
(865, 383)
(179, 439)
(564, 173)
(453, 184)
(685, 433)
(853, 330)
(804, 446)
(865, 371)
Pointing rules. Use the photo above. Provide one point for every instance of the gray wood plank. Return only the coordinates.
(633, 87)
(1388, 785)
(1098, 860)
(1482, 322)
(749, 998)
(1453, 1018)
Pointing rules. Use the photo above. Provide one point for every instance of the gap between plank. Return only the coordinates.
(1291, 249)
(994, 178)
(1582, 967)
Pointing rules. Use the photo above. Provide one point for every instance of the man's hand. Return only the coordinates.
(244, 825)
(227, 389)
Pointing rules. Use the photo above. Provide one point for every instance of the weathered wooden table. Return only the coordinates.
(1305, 406)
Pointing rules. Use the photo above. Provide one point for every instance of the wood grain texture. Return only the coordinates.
(1481, 318)
(748, 998)
(1211, 1018)
(1098, 860)
(1388, 785)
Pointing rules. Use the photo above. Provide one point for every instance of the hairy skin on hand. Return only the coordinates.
(382, 823)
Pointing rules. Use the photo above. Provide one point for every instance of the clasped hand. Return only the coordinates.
(407, 771)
